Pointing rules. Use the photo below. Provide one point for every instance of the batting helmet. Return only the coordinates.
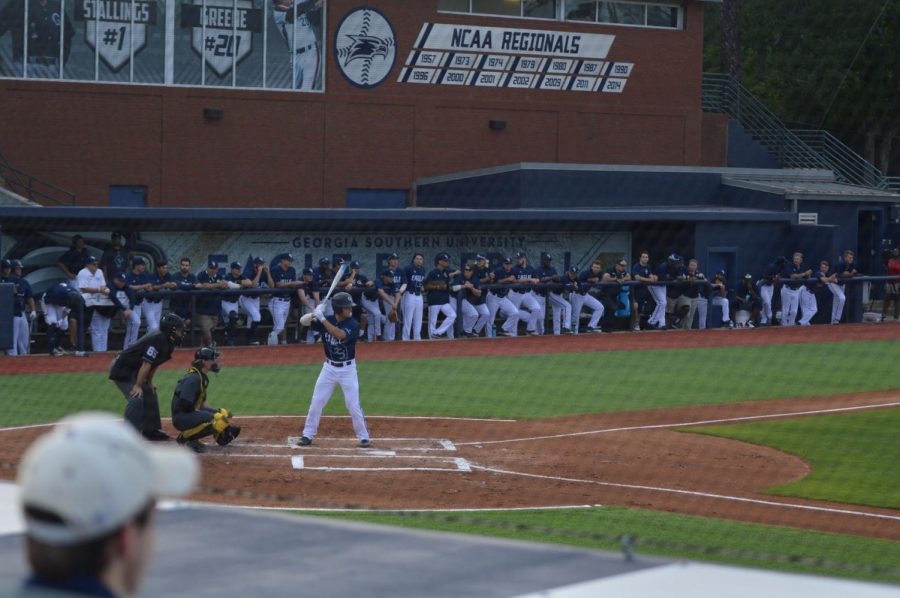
(341, 300)
(170, 323)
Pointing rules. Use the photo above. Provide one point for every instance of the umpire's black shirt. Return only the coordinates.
(154, 348)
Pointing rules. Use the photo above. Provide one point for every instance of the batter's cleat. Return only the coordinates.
(364, 443)
(304, 441)
(156, 436)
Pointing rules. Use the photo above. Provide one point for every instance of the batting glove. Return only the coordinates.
(319, 312)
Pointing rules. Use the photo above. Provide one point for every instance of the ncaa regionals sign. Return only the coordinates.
(365, 47)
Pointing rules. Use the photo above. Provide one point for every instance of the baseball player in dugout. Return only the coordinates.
(339, 334)
(191, 416)
(133, 369)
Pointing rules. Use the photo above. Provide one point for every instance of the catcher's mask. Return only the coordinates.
(207, 354)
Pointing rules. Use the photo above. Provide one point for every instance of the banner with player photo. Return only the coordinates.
(267, 44)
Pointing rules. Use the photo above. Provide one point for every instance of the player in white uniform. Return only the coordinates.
(339, 334)
(92, 285)
(292, 19)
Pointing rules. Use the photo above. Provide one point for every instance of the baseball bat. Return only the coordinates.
(334, 283)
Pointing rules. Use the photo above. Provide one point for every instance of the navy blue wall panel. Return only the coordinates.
(746, 152)
(498, 191)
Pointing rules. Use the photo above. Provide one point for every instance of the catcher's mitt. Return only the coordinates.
(393, 316)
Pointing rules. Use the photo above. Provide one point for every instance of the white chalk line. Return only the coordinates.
(385, 511)
(756, 501)
(681, 424)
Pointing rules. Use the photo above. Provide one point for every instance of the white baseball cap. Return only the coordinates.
(95, 473)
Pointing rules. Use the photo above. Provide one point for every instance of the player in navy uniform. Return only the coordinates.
(412, 301)
(139, 282)
(498, 302)
(285, 277)
(677, 305)
(133, 369)
(209, 304)
(792, 275)
(235, 280)
(718, 291)
(582, 298)
(74, 260)
(151, 308)
(522, 297)
(474, 311)
(697, 292)
(23, 310)
(115, 258)
(262, 279)
(339, 335)
(619, 298)
(546, 274)
(122, 298)
(191, 416)
(308, 294)
(185, 280)
(62, 306)
(642, 272)
(437, 287)
(369, 302)
(398, 285)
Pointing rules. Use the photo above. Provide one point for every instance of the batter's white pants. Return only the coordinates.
(702, 308)
(838, 298)
(525, 303)
(280, 308)
(21, 336)
(152, 313)
(658, 317)
(726, 310)
(375, 319)
(389, 329)
(250, 306)
(790, 301)
(412, 316)
(765, 294)
(329, 378)
(579, 302)
(132, 326)
(446, 326)
(474, 317)
(99, 332)
(506, 309)
(562, 310)
(808, 306)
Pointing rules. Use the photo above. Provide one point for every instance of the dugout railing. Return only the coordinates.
(853, 309)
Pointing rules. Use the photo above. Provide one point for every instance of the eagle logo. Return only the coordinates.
(365, 47)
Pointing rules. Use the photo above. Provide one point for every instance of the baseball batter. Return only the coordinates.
(339, 334)
(191, 416)
(294, 20)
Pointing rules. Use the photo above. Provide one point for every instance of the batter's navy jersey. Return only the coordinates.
(439, 296)
(336, 349)
(543, 273)
(415, 279)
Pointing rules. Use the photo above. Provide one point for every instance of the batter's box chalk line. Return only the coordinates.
(452, 464)
(393, 444)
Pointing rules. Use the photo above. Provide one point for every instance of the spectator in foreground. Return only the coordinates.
(89, 490)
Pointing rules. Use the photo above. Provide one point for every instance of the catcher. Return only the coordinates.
(191, 416)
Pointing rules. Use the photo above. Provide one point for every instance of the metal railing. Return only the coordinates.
(31, 187)
(792, 148)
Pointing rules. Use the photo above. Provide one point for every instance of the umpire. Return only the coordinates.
(132, 372)
(190, 414)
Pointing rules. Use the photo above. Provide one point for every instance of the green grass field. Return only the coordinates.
(854, 455)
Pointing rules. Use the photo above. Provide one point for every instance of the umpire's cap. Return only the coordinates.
(171, 322)
(341, 300)
(5, 264)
